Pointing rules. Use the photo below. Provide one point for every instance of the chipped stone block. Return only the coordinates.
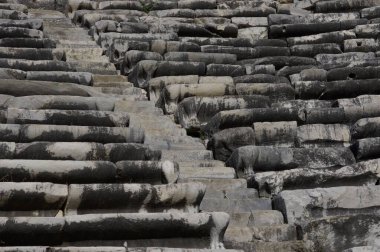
(323, 135)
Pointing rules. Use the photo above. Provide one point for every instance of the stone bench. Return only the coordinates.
(275, 91)
(246, 117)
(68, 117)
(61, 102)
(83, 78)
(12, 14)
(58, 171)
(31, 53)
(365, 128)
(133, 198)
(26, 23)
(41, 199)
(192, 112)
(335, 89)
(248, 160)
(224, 142)
(323, 135)
(174, 94)
(236, 42)
(337, 37)
(19, 32)
(28, 87)
(332, 6)
(207, 58)
(361, 45)
(135, 228)
(342, 201)
(311, 50)
(279, 19)
(56, 133)
(157, 84)
(273, 182)
(36, 65)
(366, 148)
(153, 172)
(28, 42)
(357, 73)
(150, 69)
(225, 69)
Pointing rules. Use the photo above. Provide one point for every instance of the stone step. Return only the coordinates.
(109, 78)
(101, 66)
(31, 53)
(191, 112)
(66, 43)
(137, 107)
(262, 246)
(273, 233)
(238, 193)
(206, 172)
(85, 54)
(41, 199)
(256, 218)
(46, 14)
(235, 205)
(188, 155)
(250, 159)
(219, 184)
(118, 85)
(28, 42)
(201, 163)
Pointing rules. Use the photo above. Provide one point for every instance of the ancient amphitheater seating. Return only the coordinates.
(189, 125)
